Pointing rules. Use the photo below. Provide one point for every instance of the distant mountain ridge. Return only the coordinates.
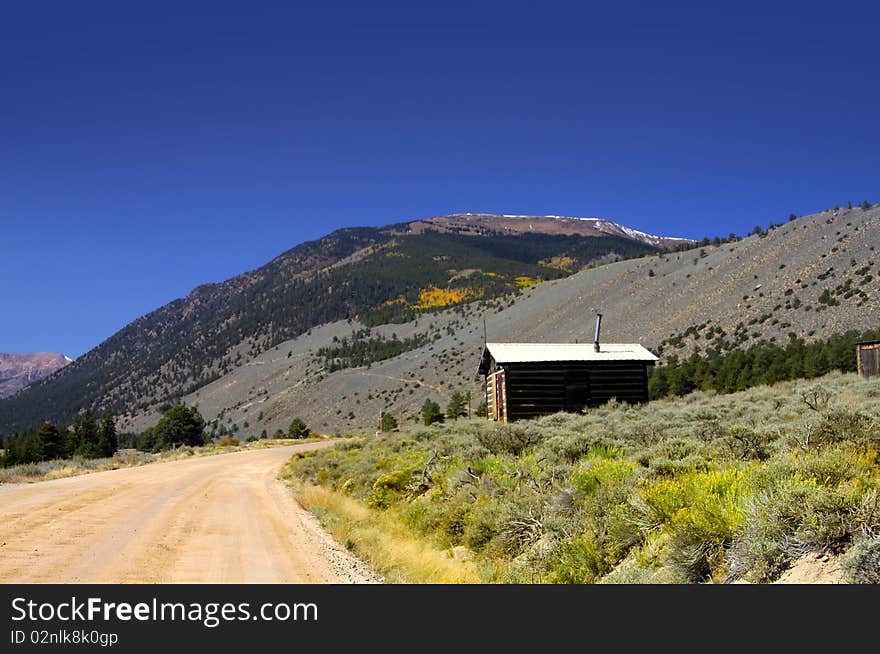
(20, 370)
(371, 275)
(480, 223)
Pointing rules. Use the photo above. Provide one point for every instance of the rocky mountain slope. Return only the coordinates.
(20, 370)
(814, 276)
(480, 223)
(369, 276)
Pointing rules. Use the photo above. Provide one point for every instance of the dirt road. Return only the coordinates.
(215, 519)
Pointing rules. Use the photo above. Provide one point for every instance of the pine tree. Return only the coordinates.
(297, 429)
(387, 422)
(107, 443)
(431, 412)
(86, 435)
(51, 442)
(457, 406)
(181, 425)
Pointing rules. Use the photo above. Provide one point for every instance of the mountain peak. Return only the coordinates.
(481, 223)
(20, 370)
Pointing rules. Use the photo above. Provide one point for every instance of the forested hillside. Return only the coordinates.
(374, 275)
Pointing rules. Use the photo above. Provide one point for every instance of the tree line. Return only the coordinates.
(84, 437)
(763, 363)
(362, 350)
(88, 438)
(459, 406)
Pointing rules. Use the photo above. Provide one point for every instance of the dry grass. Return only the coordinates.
(382, 541)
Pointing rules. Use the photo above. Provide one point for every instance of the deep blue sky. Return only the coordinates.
(149, 148)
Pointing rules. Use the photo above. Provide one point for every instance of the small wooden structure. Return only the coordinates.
(868, 359)
(524, 380)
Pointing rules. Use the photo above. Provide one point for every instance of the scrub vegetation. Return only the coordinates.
(702, 488)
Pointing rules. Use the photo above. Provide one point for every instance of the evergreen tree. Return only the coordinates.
(21, 448)
(107, 443)
(86, 435)
(431, 412)
(181, 425)
(387, 422)
(297, 429)
(457, 406)
(147, 441)
(51, 442)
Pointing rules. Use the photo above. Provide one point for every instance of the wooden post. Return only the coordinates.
(504, 396)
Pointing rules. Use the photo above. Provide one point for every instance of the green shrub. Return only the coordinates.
(629, 575)
(489, 465)
(862, 564)
(674, 456)
(510, 439)
(580, 560)
(423, 515)
(838, 426)
(297, 429)
(571, 447)
(455, 519)
(746, 443)
(387, 487)
(484, 524)
(797, 516)
(701, 512)
(670, 467)
(596, 473)
(829, 468)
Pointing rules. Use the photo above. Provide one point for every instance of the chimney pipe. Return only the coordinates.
(598, 327)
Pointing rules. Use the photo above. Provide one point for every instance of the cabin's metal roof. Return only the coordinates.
(537, 352)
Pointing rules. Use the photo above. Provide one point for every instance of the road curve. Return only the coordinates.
(214, 519)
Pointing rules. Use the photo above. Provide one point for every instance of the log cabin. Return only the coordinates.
(525, 380)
